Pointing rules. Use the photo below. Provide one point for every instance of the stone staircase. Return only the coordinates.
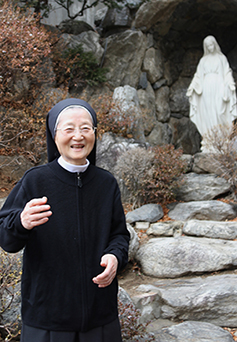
(192, 293)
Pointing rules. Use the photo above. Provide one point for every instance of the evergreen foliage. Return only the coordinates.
(82, 66)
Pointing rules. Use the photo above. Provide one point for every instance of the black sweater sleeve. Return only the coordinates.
(13, 236)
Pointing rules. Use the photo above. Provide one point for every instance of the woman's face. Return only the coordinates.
(74, 136)
(210, 46)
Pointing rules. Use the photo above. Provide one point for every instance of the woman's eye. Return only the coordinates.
(68, 130)
(85, 128)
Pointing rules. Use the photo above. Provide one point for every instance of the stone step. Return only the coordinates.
(203, 210)
(198, 228)
(171, 257)
(211, 229)
(211, 299)
(192, 331)
(211, 210)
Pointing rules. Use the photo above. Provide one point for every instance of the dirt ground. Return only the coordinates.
(131, 277)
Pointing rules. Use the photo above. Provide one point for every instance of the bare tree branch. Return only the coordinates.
(85, 6)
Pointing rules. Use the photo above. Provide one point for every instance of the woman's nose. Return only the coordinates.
(77, 134)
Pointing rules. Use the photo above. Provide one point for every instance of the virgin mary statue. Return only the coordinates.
(211, 93)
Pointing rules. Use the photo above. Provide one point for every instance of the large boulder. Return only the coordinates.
(127, 103)
(178, 99)
(117, 18)
(147, 212)
(206, 163)
(133, 243)
(110, 147)
(153, 11)
(148, 109)
(161, 134)
(209, 299)
(185, 135)
(162, 104)
(203, 210)
(173, 257)
(124, 56)
(152, 65)
(127, 98)
(194, 187)
(89, 40)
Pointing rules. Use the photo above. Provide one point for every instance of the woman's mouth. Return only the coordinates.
(77, 146)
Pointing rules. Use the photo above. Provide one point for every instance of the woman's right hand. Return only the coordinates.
(35, 213)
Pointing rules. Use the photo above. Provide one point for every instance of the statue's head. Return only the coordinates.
(210, 45)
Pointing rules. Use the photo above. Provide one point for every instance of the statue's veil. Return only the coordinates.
(213, 40)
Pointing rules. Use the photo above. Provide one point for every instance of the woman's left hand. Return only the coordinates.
(110, 262)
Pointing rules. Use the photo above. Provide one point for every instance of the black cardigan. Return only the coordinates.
(62, 256)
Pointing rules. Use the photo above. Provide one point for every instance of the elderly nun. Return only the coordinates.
(68, 217)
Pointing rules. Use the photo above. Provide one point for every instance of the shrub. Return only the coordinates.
(221, 142)
(14, 129)
(131, 329)
(24, 44)
(162, 179)
(77, 67)
(151, 175)
(23, 132)
(10, 275)
(131, 167)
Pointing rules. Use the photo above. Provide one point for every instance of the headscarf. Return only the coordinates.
(51, 120)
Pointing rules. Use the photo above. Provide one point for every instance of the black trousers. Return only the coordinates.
(108, 333)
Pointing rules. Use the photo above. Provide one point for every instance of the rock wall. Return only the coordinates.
(155, 49)
(191, 267)
(173, 31)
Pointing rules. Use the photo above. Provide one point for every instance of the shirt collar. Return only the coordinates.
(71, 167)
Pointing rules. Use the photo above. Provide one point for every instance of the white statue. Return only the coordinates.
(211, 93)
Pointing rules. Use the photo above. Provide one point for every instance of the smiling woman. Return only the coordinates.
(75, 144)
(68, 217)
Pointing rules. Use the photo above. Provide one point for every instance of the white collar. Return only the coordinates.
(71, 167)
